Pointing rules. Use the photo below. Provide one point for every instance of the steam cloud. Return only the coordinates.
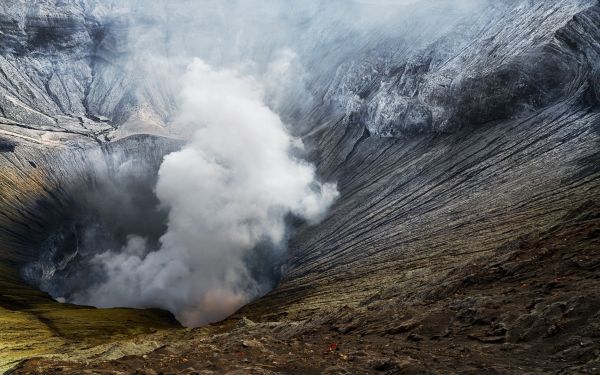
(228, 191)
(221, 202)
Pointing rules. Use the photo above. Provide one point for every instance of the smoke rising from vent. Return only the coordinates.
(201, 241)
(227, 191)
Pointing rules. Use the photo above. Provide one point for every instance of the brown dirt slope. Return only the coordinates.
(531, 306)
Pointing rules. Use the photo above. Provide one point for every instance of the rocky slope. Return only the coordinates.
(461, 193)
(529, 306)
(465, 239)
(36, 191)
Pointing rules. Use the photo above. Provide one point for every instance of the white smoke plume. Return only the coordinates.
(226, 194)
(227, 191)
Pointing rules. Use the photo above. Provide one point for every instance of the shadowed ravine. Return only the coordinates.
(465, 239)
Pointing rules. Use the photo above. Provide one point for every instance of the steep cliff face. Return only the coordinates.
(40, 180)
(66, 67)
(46, 50)
(503, 163)
(467, 158)
(506, 62)
(520, 155)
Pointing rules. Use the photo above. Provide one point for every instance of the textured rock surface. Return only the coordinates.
(535, 295)
(65, 68)
(414, 209)
(35, 189)
(505, 63)
(465, 239)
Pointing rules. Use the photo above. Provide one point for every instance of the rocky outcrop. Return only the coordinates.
(506, 62)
